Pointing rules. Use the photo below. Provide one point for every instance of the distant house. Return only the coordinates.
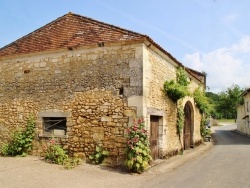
(243, 112)
(85, 81)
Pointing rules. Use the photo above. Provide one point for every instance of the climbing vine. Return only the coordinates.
(201, 101)
(182, 78)
(180, 119)
(177, 89)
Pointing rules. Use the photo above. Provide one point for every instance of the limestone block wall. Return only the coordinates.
(99, 118)
(157, 69)
(91, 85)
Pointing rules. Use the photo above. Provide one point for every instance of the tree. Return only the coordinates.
(213, 99)
(228, 102)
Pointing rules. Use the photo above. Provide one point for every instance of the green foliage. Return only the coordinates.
(99, 155)
(224, 105)
(203, 127)
(137, 150)
(180, 119)
(182, 78)
(202, 101)
(212, 96)
(177, 90)
(214, 100)
(203, 130)
(21, 141)
(54, 153)
(228, 102)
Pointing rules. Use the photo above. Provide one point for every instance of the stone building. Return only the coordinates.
(243, 112)
(85, 81)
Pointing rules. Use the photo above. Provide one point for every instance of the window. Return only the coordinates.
(121, 91)
(54, 125)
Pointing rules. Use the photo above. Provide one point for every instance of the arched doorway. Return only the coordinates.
(188, 126)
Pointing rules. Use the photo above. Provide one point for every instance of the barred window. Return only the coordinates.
(54, 125)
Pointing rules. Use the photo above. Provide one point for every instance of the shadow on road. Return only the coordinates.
(229, 137)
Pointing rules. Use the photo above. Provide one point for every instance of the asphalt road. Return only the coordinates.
(227, 165)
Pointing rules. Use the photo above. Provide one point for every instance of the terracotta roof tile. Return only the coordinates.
(68, 31)
(73, 30)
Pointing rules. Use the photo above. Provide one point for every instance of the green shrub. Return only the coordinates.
(99, 155)
(203, 129)
(54, 153)
(21, 141)
(137, 150)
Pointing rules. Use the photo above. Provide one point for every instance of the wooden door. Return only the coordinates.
(187, 127)
(154, 132)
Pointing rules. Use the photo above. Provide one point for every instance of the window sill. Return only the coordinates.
(52, 136)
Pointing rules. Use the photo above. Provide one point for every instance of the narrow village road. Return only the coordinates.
(226, 165)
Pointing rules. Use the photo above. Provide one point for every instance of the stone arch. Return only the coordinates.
(188, 140)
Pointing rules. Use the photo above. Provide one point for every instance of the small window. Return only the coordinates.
(121, 91)
(247, 107)
(54, 125)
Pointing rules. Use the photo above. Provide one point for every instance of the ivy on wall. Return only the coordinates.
(202, 101)
(180, 119)
(177, 89)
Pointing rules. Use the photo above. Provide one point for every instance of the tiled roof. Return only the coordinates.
(246, 92)
(200, 76)
(68, 31)
(72, 30)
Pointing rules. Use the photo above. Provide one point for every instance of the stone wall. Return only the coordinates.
(157, 69)
(243, 112)
(162, 70)
(98, 89)
(241, 123)
(90, 84)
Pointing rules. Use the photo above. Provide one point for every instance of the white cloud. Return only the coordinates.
(224, 66)
(243, 46)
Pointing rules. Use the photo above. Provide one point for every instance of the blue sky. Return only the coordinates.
(207, 35)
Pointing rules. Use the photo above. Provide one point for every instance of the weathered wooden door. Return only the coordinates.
(187, 127)
(154, 129)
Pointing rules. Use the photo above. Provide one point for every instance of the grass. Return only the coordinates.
(226, 120)
(217, 122)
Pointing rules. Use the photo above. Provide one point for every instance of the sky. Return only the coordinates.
(206, 35)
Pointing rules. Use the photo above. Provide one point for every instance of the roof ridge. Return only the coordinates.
(91, 20)
(105, 24)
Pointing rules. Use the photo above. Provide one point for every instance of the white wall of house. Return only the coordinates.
(243, 112)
